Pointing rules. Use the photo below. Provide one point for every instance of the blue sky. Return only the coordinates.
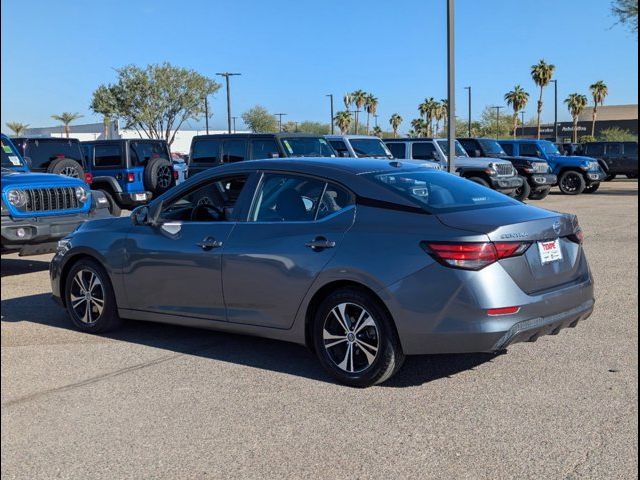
(292, 53)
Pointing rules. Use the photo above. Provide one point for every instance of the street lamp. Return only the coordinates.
(498, 121)
(331, 104)
(451, 84)
(234, 123)
(226, 76)
(279, 115)
(469, 118)
(555, 117)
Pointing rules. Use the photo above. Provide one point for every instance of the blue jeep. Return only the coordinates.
(129, 172)
(575, 174)
(38, 209)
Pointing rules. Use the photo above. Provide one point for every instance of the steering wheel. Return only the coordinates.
(206, 212)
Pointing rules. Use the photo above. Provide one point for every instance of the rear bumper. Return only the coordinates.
(133, 199)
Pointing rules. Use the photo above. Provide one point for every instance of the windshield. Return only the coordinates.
(10, 156)
(439, 192)
(370, 147)
(307, 147)
(492, 147)
(549, 148)
(444, 145)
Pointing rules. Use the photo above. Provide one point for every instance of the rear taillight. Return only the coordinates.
(577, 237)
(473, 256)
(175, 175)
(88, 178)
(131, 177)
(497, 312)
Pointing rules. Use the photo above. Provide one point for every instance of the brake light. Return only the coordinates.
(59, 155)
(88, 178)
(175, 175)
(473, 256)
(131, 177)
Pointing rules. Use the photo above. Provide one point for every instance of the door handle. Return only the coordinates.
(209, 243)
(320, 243)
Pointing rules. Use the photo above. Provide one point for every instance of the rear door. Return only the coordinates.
(630, 157)
(614, 157)
(234, 150)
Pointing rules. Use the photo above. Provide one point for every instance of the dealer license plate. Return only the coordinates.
(550, 251)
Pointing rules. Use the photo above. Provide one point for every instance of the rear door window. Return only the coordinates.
(507, 147)
(423, 151)
(614, 149)
(594, 150)
(339, 146)
(398, 150)
(206, 151)
(141, 152)
(631, 148)
(107, 156)
(264, 148)
(529, 150)
(470, 146)
(234, 151)
(287, 198)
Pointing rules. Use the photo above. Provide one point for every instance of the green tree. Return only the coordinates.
(395, 121)
(316, 128)
(359, 98)
(615, 134)
(542, 73)
(427, 110)
(259, 120)
(371, 107)
(517, 99)
(419, 128)
(17, 128)
(444, 105)
(155, 100)
(439, 114)
(104, 103)
(576, 103)
(377, 131)
(66, 118)
(627, 13)
(599, 92)
(343, 120)
(489, 126)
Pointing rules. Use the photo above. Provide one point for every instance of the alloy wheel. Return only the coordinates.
(164, 177)
(571, 183)
(351, 338)
(70, 172)
(87, 296)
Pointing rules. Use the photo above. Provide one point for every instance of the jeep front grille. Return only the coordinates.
(50, 199)
(504, 169)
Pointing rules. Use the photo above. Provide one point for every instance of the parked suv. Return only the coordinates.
(536, 173)
(38, 209)
(576, 174)
(211, 150)
(129, 171)
(62, 156)
(489, 172)
(616, 158)
(359, 146)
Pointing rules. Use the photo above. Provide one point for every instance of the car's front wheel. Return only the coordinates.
(572, 182)
(89, 297)
(593, 188)
(523, 192)
(355, 339)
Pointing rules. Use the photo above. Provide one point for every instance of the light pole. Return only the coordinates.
(279, 115)
(234, 123)
(469, 117)
(331, 106)
(451, 83)
(226, 76)
(498, 121)
(522, 112)
(555, 115)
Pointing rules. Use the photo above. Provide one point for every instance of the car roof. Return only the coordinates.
(337, 137)
(412, 139)
(116, 140)
(256, 135)
(46, 139)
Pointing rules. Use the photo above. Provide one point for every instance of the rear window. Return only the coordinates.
(439, 192)
(142, 152)
(206, 151)
(43, 152)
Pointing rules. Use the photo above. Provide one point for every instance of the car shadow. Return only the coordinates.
(17, 266)
(244, 350)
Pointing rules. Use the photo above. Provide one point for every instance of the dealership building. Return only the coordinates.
(624, 117)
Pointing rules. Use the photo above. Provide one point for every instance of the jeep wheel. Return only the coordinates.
(158, 176)
(592, 188)
(572, 183)
(539, 194)
(66, 167)
(114, 208)
(523, 192)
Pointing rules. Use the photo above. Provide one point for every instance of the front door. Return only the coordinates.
(176, 268)
(294, 229)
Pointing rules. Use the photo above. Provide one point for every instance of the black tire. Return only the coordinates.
(524, 191)
(114, 208)
(631, 176)
(479, 181)
(90, 319)
(593, 188)
(66, 167)
(539, 194)
(376, 331)
(572, 182)
(158, 176)
(610, 177)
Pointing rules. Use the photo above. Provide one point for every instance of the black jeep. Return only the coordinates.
(62, 156)
(615, 158)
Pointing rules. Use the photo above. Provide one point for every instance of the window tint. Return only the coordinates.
(333, 200)
(507, 147)
(308, 147)
(107, 156)
(142, 152)
(470, 146)
(264, 148)
(213, 201)
(423, 151)
(339, 146)
(529, 150)
(614, 149)
(594, 150)
(630, 148)
(287, 198)
(369, 147)
(234, 150)
(398, 150)
(43, 152)
(206, 151)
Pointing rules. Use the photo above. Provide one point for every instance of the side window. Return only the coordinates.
(107, 156)
(264, 148)
(234, 151)
(212, 201)
(339, 146)
(507, 147)
(333, 200)
(630, 148)
(614, 149)
(529, 150)
(398, 150)
(206, 151)
(594, 150)
(470, 146)
(287, 198)
(423, 151)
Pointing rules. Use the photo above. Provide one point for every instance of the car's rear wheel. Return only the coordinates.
(66, 167)
(523, 192)
(592, 188)
(539, 194)
(114, 208)
(89, 297)
(355, 339)
(572, 183)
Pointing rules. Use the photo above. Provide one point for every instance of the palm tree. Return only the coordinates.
(342, 120)
(599, 92)
(371, 107)
(576, 103)
(17, 128)
(541, 72)
(348, 100)
(444, 103)
(395, 122)
(517, 99)
(427, 110)
(359, 98)
(377, 131)
(66, 118)
(438, 115)
(419, 126)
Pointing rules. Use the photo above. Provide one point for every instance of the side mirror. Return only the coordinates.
(147, 214)
(139, 215)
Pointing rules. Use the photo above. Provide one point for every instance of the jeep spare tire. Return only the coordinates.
(67, 167)
(158, 175)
